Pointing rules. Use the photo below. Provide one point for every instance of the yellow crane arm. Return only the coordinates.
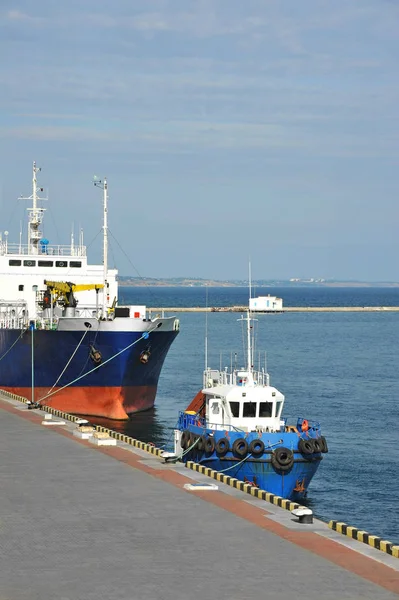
(87, 286)
(66, 287)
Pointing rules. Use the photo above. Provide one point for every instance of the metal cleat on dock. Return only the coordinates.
(303, 514)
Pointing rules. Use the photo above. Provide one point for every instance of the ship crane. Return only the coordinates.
(64, 291)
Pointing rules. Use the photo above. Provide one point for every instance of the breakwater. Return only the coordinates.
(176, 309)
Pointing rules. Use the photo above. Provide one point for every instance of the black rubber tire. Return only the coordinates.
(318, 445)
(282, 459)
(185, 437)
(240, 447)
(193, 439)
(222, 446)
(306, 446)
(209, 445)
(201, 443)
(324, 444)
(256, 448)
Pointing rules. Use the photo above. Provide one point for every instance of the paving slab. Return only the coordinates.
(82, 522)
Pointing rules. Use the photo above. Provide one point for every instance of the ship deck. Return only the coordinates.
(79, 521)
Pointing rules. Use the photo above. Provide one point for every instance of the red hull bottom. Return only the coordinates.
(109, 402)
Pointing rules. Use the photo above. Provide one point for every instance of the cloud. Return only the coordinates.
(19, 16)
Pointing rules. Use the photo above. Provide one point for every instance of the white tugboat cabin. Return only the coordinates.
(242, 400)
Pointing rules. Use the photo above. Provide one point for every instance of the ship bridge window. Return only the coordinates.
(75, 263)
(235, 409)
(45, 263)
(14, 263)
(21, 288)
(249, 409)
(278, 408)
(61, 263)
(265, 409)
(29, 263)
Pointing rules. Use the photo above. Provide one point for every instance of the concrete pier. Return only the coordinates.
(79, 521)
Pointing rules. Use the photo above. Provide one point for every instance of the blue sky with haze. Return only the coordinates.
(226, 129)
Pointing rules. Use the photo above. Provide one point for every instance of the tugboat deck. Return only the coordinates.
(85, 522)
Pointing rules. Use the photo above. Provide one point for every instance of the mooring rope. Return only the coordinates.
(143, 337)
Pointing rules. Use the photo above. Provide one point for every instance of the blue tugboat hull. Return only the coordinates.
(288, 481)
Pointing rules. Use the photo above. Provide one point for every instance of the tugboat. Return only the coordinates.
(234, 425)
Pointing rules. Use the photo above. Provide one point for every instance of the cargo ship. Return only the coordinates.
(65, 341)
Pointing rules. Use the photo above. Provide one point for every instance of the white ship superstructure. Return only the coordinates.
(25, 267)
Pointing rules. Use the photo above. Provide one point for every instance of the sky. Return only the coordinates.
(228, 131)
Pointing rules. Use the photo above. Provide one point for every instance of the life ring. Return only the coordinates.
(256, 448)
(323, 441)
(306, 446)
(305, 425)
(185, 436)
(282, 459)
(240, 447)
(222, 446)
(209, 445)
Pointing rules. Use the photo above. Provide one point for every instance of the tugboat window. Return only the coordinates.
(235, 409)
(265, 409)
(20, 288)
(215, 408)
(29, 263)
(278, 408)
(75, 263)
(14, 263)
(249, 409)
(61, 263)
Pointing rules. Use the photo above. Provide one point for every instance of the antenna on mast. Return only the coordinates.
(35, 214)
(250, 282)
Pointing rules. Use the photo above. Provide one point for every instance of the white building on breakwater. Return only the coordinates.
(266, 304)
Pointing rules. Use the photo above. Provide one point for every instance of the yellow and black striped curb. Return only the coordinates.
(14, 396)
(73, 418)
(362, 536)
(243, 487)
(131, 441)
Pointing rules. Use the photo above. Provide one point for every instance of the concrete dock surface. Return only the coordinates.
(84, 522)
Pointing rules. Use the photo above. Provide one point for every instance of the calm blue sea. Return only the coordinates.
(338, 368)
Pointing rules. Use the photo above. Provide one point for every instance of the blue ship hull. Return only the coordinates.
(113, 389)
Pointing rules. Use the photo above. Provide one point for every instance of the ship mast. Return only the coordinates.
(104, 186)
(105, 249)
(35, 214)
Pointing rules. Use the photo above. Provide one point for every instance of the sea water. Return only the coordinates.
(337, 368)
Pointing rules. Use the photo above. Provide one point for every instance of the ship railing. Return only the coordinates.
(13, 323)
(213, 377)
(187, 419)
(47, 324)
(43, 251)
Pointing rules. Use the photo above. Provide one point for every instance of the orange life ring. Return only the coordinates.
(305, 425)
